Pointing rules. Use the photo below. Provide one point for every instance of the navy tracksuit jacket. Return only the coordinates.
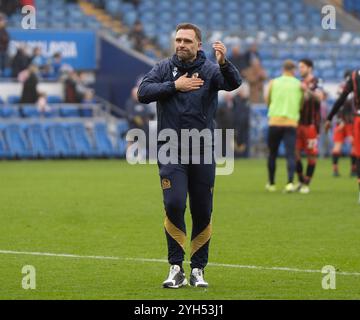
(187, 110)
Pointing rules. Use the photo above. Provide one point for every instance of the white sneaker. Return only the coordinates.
(304, 189)
(176, 278)
(289, 188)
(270, 187)
(197, 278)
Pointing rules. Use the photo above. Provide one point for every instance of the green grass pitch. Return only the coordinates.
(112, 209)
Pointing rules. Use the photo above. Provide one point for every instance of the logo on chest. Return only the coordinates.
(195, 75)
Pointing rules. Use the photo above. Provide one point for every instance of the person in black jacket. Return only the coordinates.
(19, 62)
(185, 87)
(241, 121)
(4, 42)
(30, 93)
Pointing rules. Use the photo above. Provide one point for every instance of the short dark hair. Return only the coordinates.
(289, 65)
(307, 62)
(190, 26)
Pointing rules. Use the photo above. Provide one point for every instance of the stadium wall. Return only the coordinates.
(119, 70)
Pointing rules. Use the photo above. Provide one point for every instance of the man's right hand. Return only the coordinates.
(185, 84)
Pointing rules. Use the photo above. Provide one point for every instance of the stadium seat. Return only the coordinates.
(4, 151)
(130, 17)
(57, 24)
(69, 112)
(80, 140)
(86, 110)
(39, 141)
(7, 73)
(121, 143)
(58, 14)
(60, 140)
(54, 99)
(13, 99)
(103, 145)
(16, 140)
(112, 6)
(29, 112)
(8, 111)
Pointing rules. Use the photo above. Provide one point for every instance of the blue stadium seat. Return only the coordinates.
(151, 54)
(328, 74)
(182, 17)
(7, 73)
(73, 7)
(75, 14)
(121, 143)
(43, 18)
(281, 7)
(146, 6)
(262, 6)
(126, 7)
(103, 145)
(30, 112)
(13, 99)
(69, 112)
(51, 113)
(130, 17)
(41, 3)
(57, 24)
(41, 25)
(4, 151)
(16, 140)
(91, 24)
(164, 5)
(112, 6)
(86, 110)
(181, 6)
(60, 140)
(249, 6)
(58, 14)
(76, 24)
(80, 140)
(54, 99)
(214, 6)
(231, 6)
(39, 141)
(8, 111)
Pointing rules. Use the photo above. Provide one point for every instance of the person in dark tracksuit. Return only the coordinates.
(185, 87)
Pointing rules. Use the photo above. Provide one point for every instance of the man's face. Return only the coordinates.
(186, 45)
(304, 70)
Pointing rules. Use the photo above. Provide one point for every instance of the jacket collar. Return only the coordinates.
(188, 66)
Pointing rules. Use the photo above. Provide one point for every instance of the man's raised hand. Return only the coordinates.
(220, 51)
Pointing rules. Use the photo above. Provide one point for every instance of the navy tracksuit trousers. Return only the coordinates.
(197, 180)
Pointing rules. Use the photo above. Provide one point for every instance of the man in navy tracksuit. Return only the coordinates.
(186, 87)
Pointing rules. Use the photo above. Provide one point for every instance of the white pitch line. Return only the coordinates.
(213, 264)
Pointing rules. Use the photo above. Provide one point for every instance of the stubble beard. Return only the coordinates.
(185, 56)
